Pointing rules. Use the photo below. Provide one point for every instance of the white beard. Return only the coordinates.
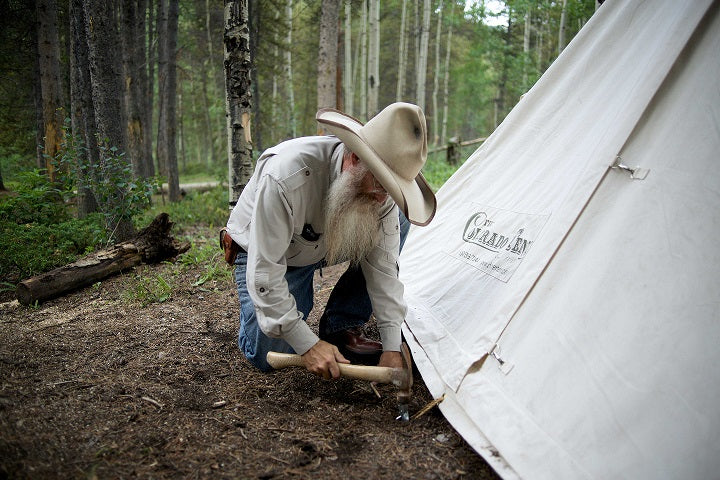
(352, 220)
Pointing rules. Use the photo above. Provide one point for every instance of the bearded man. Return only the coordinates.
(324, 200)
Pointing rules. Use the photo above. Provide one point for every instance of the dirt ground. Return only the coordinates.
(95, 385)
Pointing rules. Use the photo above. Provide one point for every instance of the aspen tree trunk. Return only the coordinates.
(289, 72)
(423, 54)
(402, 55)
(167, 83)
(106, 82)
(373, 78)
(347, 78)
(274, 101)
(561, 30)
(238, 96)
(526, 47)
(446, 81)
(82, 115)
(49, 63)
(363, 63)
(435, 117)
(150, 86)
(327, 55)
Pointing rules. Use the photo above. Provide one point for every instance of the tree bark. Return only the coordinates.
(446, 80)
(82, 114)
(152, 245)
(167, 94)
(238, 96)
(292, 129)
(106, 80)
(133, 47)
(402, 55)
(363, 62)
(423, 55)
(563, 26)
(435, 117)
(347, 75)
(373, 79)
(327, 55)
(49, 63)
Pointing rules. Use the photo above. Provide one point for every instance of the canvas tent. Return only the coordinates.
(570, 311)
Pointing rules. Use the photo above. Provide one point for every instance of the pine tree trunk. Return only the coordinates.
(402, 55)
(374, 57)
(167, 92)
(435, 117)
(347, 76)
(423, 55)
(106, 80)
(150, 86)
(327, 55)
(82, 115)
(238, 96)
(49, 63)
(133, 39)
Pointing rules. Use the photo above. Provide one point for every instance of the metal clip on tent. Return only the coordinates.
(636, 173)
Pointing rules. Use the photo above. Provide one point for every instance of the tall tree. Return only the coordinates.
(446, 78)
(435, 117)
(363, 61)
(134, 60)
(82, 114)
(106, 82)
(238, 96)
(562, 28)
(49, 63)
(402, 55)
(167, 96)
(423, 55)
(292, 129)
(347, 75)
(327, 55)
(373, 57)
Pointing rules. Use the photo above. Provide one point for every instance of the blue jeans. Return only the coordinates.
(348, 306)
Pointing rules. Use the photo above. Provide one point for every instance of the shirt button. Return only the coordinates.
(262, 290)
(307, 173)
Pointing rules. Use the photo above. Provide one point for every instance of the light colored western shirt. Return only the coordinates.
(287, 191)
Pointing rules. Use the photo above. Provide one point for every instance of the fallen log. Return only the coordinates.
(153, 244)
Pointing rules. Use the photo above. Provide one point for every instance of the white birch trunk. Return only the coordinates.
(561, 32)
(288, 70)
(402, 56)
(363, 62)
(446, 81)
(373, 78)
(347, 75)
(526, 48)
(435, 117)
(422, 55)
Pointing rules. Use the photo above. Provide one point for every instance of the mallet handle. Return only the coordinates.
(358, 372)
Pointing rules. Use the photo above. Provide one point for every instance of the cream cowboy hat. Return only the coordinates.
(393, 144)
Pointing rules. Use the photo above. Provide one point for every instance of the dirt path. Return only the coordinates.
(95, 385)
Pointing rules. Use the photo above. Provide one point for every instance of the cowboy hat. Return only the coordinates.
(393, 145)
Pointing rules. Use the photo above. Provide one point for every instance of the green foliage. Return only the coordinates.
(36, 201)
(209, 208)
(119, 196)
(32, 248)
(147, 290)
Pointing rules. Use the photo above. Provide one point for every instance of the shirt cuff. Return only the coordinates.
(391, 338)
(300, 337)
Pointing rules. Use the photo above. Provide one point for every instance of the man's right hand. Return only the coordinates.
(323, 358)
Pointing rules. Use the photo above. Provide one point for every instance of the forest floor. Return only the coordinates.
(96, 385)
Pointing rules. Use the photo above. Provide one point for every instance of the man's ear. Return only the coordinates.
(354, 159)
(350, 160)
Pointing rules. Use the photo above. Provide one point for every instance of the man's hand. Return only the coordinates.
(323, 358)
(391, 359)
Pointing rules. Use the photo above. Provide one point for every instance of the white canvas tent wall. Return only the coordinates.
(569, 313)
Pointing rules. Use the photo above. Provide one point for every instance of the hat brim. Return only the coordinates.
(414, 197)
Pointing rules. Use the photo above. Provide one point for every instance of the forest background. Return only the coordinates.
(150, 104)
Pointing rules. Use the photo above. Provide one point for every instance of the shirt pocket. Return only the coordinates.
(262, 283)
(302, 252)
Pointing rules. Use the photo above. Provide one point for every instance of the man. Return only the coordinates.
(317, 201)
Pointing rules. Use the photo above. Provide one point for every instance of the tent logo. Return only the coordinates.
(480, 231)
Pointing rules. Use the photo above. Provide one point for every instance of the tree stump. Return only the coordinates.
(453, 151)
(151, 245)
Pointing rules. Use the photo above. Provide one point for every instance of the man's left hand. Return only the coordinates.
(391, 359)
